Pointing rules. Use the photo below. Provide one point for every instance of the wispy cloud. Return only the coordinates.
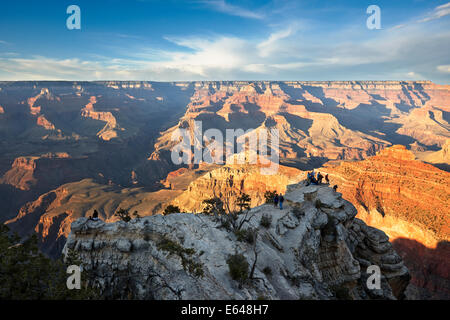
(444, 68)
(269, 46)
(223, 6)
(437, 13)
(401, 54)
(285, 51)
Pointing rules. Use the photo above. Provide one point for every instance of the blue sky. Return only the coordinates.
(174, 40)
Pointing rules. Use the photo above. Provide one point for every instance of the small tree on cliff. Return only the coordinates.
(243, 202)
(124, 215)
(213, 206)
(269, 196)
(171, 209)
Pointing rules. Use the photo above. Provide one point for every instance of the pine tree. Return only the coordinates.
(25, 273)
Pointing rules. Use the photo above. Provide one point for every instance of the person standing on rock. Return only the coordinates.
(275, 200)
(281, 199)
(327, 180)
(94, 216)
(319, 178)
(308, 178)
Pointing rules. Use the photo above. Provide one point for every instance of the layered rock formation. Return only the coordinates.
(43, 122)
(107, 128)
(440, 158)
(333, 120)
(230, 181)
(108, 132)
(49, 169)
(314, 248)
(410, 201)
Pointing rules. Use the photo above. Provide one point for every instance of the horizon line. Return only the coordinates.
(185, 81)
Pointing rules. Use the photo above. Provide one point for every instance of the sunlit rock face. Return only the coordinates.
(332, 120)
(410, 201)
(315, 248)
(229, 182)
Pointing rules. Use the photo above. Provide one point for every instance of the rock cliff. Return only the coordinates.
(410, 201)
(314, 248)
(229, 181)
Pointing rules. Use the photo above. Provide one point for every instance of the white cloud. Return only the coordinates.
(284, 53)
(223, 6)
(269, 46)
(444, 68)
(437, 13)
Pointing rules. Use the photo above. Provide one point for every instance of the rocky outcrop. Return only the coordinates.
(109, 131)
(43, 122)
(441, 158)
(21, 174)
(44, 94)
(50, 215)
(314, 248)
(46, 170)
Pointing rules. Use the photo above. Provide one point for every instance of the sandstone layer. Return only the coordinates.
(410, 201)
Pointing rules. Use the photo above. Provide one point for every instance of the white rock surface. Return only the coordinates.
(315, 249)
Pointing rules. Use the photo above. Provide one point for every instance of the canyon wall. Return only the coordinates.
(230, 181)
(410, 201)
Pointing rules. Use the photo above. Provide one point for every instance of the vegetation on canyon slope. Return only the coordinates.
(25, 273)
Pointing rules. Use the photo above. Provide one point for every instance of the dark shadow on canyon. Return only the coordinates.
(429, 267)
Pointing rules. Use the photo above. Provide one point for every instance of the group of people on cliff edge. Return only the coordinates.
(311, 178)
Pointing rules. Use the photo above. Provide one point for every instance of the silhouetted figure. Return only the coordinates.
(326, 179)
(281, 201)
(335, 187)
(319, 178)
(275, 200)
(313, 178)
(94, 216)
